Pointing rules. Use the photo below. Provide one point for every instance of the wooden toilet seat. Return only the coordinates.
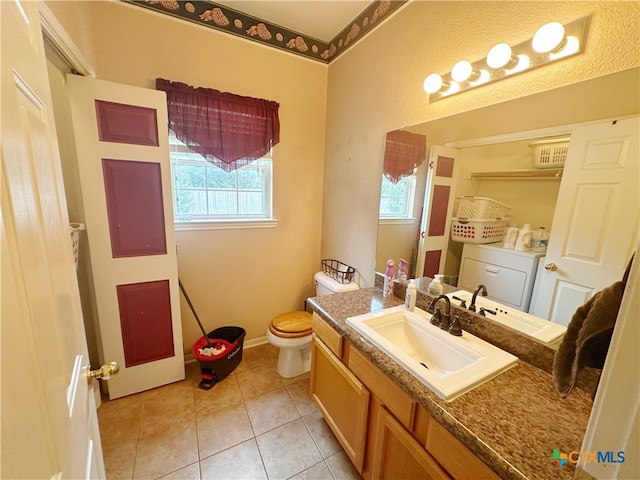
(291, 325)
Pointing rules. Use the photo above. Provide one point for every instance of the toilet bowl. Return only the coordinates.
(291, 331)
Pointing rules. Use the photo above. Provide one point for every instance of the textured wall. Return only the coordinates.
(234, 277)
(377, 86)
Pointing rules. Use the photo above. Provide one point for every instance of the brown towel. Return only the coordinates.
(588, 336)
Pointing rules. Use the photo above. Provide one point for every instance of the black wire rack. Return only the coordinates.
(337, 270)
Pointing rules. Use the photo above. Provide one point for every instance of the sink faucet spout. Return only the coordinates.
(443, 320)
(483, 290)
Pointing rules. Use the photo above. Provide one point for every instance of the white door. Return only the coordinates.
(437, 211)
(595, 225)
(49, 423)
(122, 149)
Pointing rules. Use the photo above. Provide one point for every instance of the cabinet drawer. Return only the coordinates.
(328, 335)
(505, 284)
(389, 394)
(458, 460)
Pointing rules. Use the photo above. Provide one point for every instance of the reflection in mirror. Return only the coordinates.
(498, 148)
(403, 181)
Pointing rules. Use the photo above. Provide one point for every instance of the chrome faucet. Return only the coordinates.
(472, 307)
(443, 320)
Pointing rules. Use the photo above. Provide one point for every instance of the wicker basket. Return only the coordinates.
(481, 208)
(337, 270)
(477, 231)
(550, 153)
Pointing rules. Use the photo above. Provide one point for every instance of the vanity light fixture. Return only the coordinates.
(551, 42)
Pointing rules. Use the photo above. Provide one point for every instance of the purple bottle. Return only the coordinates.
(387, 289)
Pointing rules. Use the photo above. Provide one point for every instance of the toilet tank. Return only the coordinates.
(326, 285)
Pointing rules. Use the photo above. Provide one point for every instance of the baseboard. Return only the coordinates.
(254, 342)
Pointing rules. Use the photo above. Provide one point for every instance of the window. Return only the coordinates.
(396, 200)
(203, 192)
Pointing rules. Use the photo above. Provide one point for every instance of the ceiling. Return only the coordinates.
(322, 20)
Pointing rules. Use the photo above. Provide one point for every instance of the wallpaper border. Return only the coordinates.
(228, 20)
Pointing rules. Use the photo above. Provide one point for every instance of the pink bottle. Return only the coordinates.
(387, 289)
(403, 271)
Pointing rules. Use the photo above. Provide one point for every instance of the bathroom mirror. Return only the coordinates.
(614, 95)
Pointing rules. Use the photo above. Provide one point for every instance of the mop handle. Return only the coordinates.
(193, 310)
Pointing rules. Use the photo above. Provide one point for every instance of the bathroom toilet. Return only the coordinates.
(291, 331)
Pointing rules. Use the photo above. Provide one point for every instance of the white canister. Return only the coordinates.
(510, 236)
(523, 242)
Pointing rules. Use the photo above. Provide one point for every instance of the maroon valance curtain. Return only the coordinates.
(403, 152)
(228, 130)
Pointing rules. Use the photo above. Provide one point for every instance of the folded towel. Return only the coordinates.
(588, 336)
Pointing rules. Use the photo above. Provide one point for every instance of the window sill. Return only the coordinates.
(396, 221)
(225, 224)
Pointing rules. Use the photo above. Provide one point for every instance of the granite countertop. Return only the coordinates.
(513, 422)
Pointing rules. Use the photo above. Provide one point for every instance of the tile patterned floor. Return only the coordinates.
(252, 425)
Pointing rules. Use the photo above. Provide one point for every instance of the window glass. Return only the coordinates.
(204, 192)
(396, 201)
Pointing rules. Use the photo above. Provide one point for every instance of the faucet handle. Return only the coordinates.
(455, 328)
(463, 303)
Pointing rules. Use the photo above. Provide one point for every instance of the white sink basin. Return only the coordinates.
(448, 365)
(531, 325)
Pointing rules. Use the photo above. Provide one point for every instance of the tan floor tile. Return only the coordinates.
(299, 392)
(270, 411)
(190, 472)
(223, 428)
(174, 408)
(258, 381)
(321, 433)
(224, 394)
(288, 450)
(240, 462)
(258, 356)
(119, 460)
(163, 452)
(341, 467)
(319, 471)
(119, 421)
(164, 431)
(299, 378)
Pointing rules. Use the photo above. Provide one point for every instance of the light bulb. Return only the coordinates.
(570, 46)
(501, 56)
(548, 38)
(520, 65)
(463, 71)
(484, 77)
(433, 83)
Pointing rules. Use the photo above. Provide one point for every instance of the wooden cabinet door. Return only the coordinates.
(342, 399)
(397, 455)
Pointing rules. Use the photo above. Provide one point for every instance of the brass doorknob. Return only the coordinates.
(552, 267)
(105, 372)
